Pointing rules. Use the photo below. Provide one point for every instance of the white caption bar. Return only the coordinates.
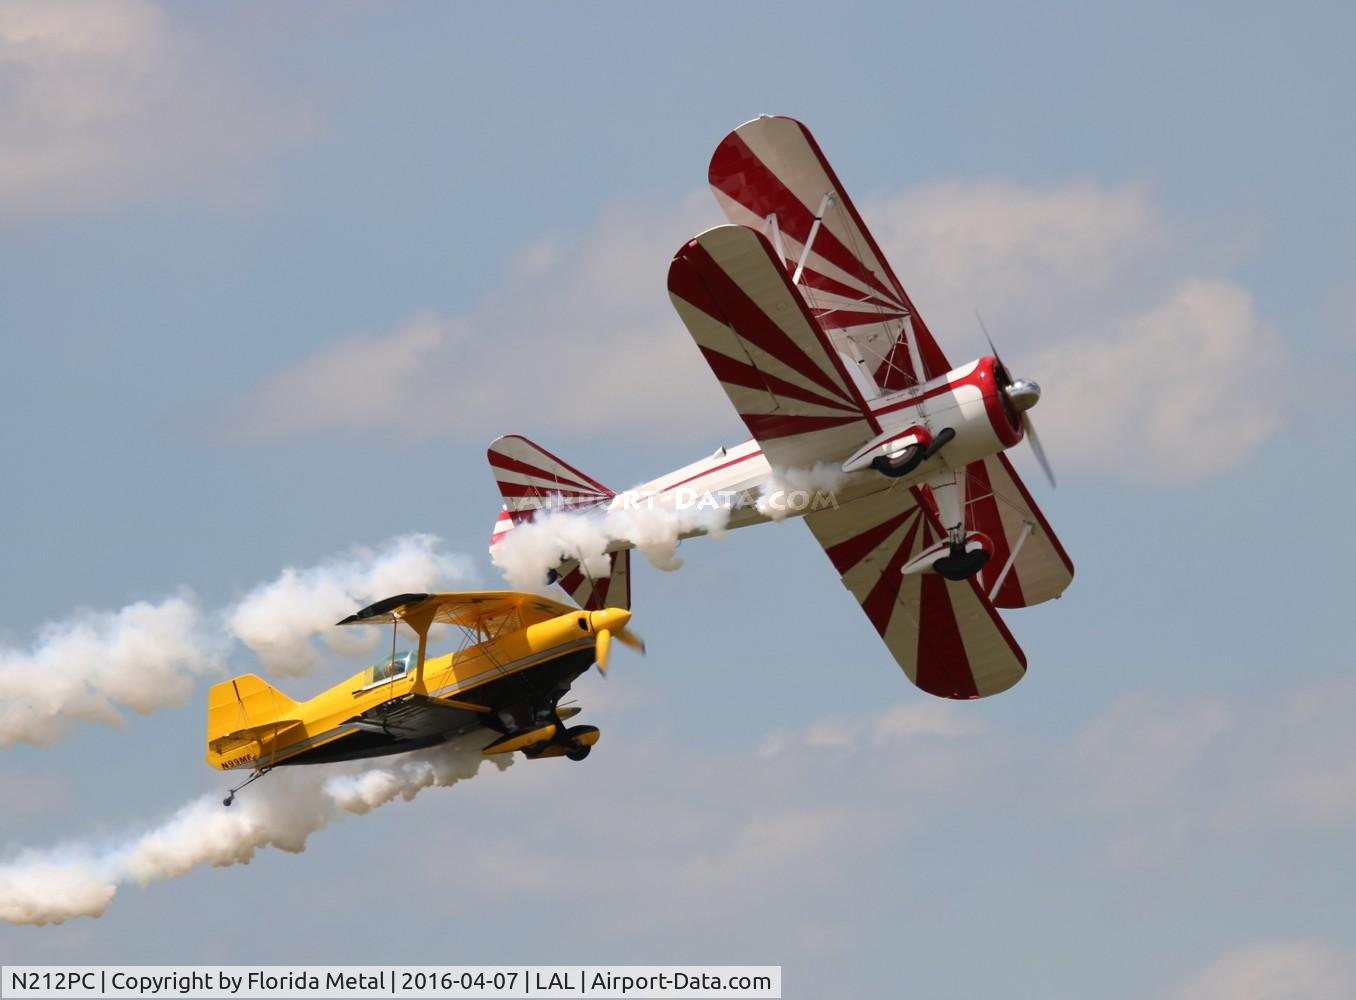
(370, 982)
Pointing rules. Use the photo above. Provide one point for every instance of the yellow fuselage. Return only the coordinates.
(260, 727)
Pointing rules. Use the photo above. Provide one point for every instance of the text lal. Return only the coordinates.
(599, 981)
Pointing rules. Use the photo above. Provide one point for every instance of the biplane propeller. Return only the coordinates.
(519, 655)
(1022, 394)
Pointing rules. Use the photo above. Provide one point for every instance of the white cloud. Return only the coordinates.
(672, 831)
(908, 721)
(580, 337)
(1182, 390)
(1143, 748)
(1164, 775)
(1289, 970)
(107, 100)
(1027, 256)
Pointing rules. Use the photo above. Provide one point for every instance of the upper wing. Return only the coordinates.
(770, 174)
(946, 635)
(780, 371)
(487, 610)
(998, 505)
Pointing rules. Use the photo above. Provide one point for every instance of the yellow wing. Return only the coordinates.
(486, 610)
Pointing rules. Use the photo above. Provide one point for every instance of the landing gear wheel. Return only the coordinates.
(961, 565)
(578, 754)
(902, 466)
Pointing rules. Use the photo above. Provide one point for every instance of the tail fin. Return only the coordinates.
(242, 711)
(530, 479)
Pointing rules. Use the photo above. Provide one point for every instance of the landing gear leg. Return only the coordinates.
(961, 561)
(230, 796)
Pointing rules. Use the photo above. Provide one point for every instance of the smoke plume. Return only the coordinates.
(526, 553)
(281, 811)
(148, 656)
(279, 621)
(84, 669)
(798, 490)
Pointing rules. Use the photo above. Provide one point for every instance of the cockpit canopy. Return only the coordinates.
(392, 667)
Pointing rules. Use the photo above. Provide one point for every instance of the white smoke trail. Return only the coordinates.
(144, 657)
(279, 620)
(281, 811)
(148, 656)
(798, 490)
(529, 550)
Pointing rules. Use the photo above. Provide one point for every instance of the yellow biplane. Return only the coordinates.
(518, 657)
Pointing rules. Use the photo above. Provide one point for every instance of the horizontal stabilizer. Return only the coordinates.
(260, 734)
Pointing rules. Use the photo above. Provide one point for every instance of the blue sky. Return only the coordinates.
(274, 278)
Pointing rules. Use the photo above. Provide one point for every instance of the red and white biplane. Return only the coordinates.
(844, 389)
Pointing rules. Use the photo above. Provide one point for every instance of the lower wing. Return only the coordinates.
(1029, 565)
(946, 635)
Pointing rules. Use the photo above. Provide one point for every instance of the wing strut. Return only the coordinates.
(775, 228)
(824, 204)
(1012, 558)
(419, 619)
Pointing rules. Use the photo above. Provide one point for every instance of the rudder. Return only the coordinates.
(242, 703)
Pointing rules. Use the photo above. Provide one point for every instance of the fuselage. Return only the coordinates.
(740, 480)
(385, 709)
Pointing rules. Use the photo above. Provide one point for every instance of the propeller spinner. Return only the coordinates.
(608, 624)
(1023, 394)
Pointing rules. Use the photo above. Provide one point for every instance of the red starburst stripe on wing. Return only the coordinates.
(741, 373)
(1031, 505)
(848, 553)
(737, 172)
(880, 604)
(943, 667)
(737, 311)
(765, 426)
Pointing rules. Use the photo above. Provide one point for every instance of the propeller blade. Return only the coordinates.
(601, 648)
(1029, 432)
(992, 350)
(631, 641)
